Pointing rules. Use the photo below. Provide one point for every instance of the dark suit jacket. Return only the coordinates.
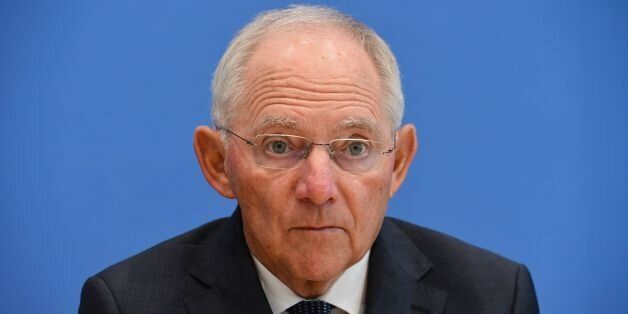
(411, 270)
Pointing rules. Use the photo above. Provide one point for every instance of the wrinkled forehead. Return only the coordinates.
(325, 68)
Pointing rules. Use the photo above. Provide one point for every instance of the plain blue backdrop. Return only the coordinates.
(521, 106)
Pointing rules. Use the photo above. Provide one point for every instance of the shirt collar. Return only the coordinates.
(346, 293)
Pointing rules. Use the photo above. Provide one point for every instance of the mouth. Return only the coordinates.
(318, 229)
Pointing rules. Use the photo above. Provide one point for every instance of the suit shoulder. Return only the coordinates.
(155, 280)
(167, 258)
(443, 249)
(476, 280)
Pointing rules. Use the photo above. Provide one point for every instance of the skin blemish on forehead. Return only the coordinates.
(330, 51)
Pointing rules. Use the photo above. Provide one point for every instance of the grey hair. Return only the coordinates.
(228, 84)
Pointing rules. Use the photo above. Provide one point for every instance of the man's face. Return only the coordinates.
(311, 222)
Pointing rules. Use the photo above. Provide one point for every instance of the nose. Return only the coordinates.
(317, 182)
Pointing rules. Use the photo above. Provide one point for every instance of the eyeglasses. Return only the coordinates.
(283, 151)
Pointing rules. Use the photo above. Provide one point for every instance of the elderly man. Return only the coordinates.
(307, 105)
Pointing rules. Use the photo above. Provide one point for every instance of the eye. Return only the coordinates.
(356, 148)
(277, 146)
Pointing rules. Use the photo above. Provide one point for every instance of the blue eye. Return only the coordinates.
(278, 147)
(356, 148)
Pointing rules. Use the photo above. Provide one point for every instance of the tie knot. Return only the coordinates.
(311, 307)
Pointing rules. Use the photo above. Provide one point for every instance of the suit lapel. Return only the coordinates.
(227, 270)
(394, 284)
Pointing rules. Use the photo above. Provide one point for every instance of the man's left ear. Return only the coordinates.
(407, 145)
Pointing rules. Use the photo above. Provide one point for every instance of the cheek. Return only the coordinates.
(266, 193)
(246, 182)
(370, 191)
(367, 199)
(262, 194)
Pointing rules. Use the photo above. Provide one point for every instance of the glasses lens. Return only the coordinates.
(279, 151)
(356, 155)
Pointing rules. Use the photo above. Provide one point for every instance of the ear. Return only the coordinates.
(407, 145)
(210, 152)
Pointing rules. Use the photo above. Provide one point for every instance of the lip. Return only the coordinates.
(318, 229)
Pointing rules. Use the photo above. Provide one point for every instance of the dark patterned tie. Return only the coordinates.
(311, 307)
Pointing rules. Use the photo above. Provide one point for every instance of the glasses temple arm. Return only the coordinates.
(236, 135)
(394, 145)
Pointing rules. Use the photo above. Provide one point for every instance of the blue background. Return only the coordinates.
(521, 106)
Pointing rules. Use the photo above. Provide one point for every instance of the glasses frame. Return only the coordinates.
(309, 147)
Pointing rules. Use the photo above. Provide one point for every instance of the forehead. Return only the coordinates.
(321, 74)
(315, 52)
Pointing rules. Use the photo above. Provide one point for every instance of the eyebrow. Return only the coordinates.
(272, 121)
(358, 123)
(275, 121)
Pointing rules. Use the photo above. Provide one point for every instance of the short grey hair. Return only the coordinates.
(228, 84)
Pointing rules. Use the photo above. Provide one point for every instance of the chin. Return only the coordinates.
(319, 267)
(320, 274)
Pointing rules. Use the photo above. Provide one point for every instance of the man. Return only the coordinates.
(307, 105)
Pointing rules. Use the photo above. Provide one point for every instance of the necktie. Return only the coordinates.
(311, 307)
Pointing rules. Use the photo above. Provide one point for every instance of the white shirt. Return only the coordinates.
(346, 293)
